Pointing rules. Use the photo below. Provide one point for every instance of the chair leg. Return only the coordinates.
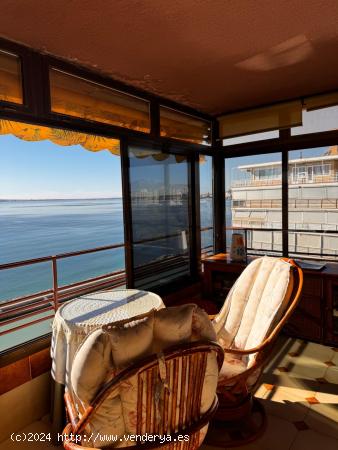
(246, 424)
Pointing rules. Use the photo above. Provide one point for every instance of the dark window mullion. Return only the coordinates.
(285, 134)
(127, 213)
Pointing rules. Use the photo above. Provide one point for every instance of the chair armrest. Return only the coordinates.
(71, 411)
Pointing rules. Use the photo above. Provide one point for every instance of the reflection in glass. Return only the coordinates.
(253, 201)
(10, 78)
(313, 202)
(318, 120)
(82, 98)
(274, 134)
(160, 219)
(177, 125)
(206, 205)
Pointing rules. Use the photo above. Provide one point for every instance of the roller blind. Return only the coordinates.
(10, 78)
(321, 101)
(181, 126)
(74, 96)
(283, 115)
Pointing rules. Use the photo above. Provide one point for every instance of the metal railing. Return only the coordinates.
(252, 250)
(49, 300)
(323, 203)
(250, 182)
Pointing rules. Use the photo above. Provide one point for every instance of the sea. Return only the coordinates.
(37, 228)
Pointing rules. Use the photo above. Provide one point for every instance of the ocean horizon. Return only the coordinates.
(43, 227)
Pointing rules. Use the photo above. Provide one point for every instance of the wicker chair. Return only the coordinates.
(167, 395)
(255, 311)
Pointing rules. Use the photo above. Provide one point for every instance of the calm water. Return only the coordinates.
(32, 229)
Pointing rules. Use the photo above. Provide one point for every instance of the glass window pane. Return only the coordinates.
(325, 119)
(10, 78)
(160, 216)
(177, 125)
(253, 189)
(313, 202)
(206, 205)
(78, 97)
(60, 192)
(251, 138)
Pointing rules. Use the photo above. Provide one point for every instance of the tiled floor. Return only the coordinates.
(299, 391)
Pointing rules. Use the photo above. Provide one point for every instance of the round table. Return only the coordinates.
(77, 318)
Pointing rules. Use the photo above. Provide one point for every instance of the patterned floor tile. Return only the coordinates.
(329, 363)
(301, 425)
(323, 416)
(312, 400)
(287, 403)
(322, 380)
(279, 435)
(335, 357)
(332, 375)
(311, 440)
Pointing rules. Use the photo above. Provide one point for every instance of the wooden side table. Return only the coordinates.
(316, 316)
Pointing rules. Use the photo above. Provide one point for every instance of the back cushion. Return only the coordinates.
(258, 298)
(107, 351)
(265, 299)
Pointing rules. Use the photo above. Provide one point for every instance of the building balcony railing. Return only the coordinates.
(322, 203)
(307, 179)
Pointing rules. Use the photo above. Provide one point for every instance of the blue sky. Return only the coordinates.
(45, 170)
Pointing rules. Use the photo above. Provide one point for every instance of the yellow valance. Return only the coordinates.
(28, 132)
(31, 132)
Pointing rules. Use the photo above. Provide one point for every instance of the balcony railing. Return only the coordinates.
(314, 179)
(23, 309)
(321, 203)
(49, 300)
(276, 242)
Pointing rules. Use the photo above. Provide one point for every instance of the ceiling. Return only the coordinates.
(213, 55)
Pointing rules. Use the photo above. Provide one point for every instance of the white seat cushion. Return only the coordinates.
(106, 352)
(255, 303)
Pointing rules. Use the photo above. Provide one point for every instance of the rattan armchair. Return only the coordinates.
(272, 290)
(167, 394)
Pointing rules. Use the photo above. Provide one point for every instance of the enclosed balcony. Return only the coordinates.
(152, 155)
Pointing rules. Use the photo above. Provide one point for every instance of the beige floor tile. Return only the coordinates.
(287, 403)
(306, 367)
(317, 351)
(262, 391)
(323, 417)
(279, 436)
(335, 358)
(332, 375)
(311, 440)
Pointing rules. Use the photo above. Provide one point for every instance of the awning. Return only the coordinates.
(93, 143)
(28, 132)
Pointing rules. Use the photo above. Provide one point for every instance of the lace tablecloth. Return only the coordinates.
(77, 318)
